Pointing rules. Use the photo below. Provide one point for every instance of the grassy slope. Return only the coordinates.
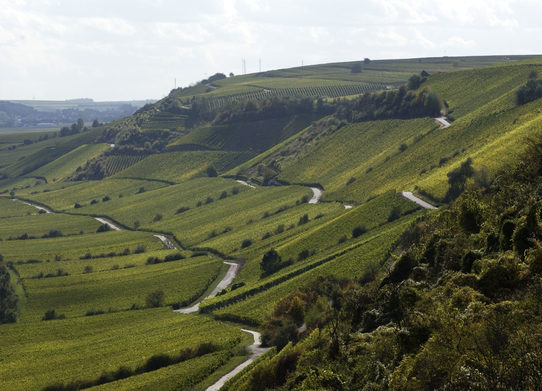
(181, 166)
(68, 163)
(38, 354)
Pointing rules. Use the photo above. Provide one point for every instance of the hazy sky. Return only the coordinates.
(133, 49)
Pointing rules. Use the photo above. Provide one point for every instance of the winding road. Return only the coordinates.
(33, 205)
(255, 351)
(223, 284)
(411, 197)
(108, 223)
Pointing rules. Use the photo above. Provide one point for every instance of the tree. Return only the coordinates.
(414, 82)
(95, 123)
(356, 68)
(8, 298)
(270, 262)
(211, 172)
(457, 179)
(155, 299)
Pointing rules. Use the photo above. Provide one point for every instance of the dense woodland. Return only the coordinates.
(459, 308)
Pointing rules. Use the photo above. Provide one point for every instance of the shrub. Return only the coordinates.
(350, 181)
(155, 299)
(182, 209)
(106, 198)
(88, 269)
(266, 235)
(235, 191)
(211, 172)
(77, 205)
(157, 361)
(139, 249)
(208, 200)
(395, 213)
(51, 315)
(246, 243)
(303, 255)
(223, 195)
(157, 217)
(343, 239)
(403, 147)
(140, 190)
(358, 231)
(303, 219)
(280, 229)
(103, 228)
(93, 202)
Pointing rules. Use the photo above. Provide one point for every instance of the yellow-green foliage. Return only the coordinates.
(85, 192)
(9, 208)
(351, 263)
(73, 247)
(68, 163)
(38, 354)
(166, 201)
(37, 225)
(234, 212)
(246, 136)
(74, 295)
(180, 166)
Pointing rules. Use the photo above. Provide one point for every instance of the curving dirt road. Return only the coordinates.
(443, 122)
(411, 197)
(255, 351)
(223, 284)
(316, 195)
(245, 183)
(33, 205)
(168, 243)
(111, 225)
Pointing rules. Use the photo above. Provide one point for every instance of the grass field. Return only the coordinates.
(68, 163)
(181, 166)
(74, 247)
(38, 225)
(121, 289)
(38, 354)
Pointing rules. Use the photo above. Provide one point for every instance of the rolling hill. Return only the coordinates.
(208, 182)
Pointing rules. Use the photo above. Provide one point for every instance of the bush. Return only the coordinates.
(182, 209)
(139, 249)
(211, 172)
(157, 361)
(342, 239)
(157, 217)
(395, 213)
(303, 219)
(223, 195)
(155, 299)
(358, 231)
(140, 190)
(106, 198)
(235, 191)
(77, 205)
(270, 262)
(88, 269)
(304, 254)
(246, 243)
(209, 200)
(103, 228)
(51, 315)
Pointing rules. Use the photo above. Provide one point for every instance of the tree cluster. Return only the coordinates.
(459, 309)
(8, 298)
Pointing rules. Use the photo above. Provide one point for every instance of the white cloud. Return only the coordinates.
(115, 26)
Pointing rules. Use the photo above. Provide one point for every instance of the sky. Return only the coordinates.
(135, 49)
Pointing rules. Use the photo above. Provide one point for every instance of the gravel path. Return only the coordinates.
(168, 243)
(443, 121)
(246, 183)
(255, 351)
(111, 225)
(316, 195)
(33, 205)
(411, 197)
(223, 284)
